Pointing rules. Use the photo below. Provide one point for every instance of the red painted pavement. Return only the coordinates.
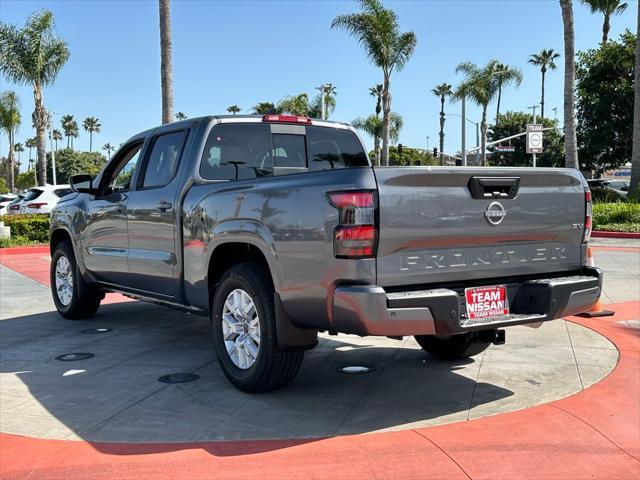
(602, 234)
(592, 434)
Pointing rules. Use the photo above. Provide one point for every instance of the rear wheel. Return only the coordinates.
(452, 347)
(75, 299)
(244, 332)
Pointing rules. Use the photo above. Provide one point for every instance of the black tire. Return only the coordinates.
(452, 347)
(273, 367)
(85, 298)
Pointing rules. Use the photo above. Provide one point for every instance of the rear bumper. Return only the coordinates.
(370, 310)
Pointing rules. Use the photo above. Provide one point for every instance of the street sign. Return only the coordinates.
(505, 148)
(534, 138)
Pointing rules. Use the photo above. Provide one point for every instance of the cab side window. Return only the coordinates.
(164, 159)
(120, 178)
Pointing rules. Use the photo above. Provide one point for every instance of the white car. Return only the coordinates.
(40, 199)
(5, 201)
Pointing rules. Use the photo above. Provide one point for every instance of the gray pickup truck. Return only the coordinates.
(278, 227)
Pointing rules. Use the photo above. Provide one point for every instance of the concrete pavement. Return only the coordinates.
(115, 396)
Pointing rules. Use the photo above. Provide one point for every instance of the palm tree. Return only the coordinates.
(376, 91)
(506, 76)
(480, 85)
(18, 148)
(372, 125)
(74, 131)
(570, 140)
(608, 8)
(10, 124)
(109, 148)
(91, 125)
(634, 187)
(34, 55)
(443, 91)
(545, 60)
(31, 143)
(233, 109)
(376, 29)
(264, 108)
(66, 122)
(166, 68)
(180, 116)
(57, 136)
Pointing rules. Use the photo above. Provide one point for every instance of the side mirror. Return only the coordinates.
(82, 183)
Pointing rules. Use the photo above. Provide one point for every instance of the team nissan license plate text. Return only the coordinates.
(483, 302)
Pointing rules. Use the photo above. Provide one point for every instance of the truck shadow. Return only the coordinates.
(115, 396)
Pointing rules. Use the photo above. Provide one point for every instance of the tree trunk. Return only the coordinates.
(442, 119)
(386, 121)
(39, 118)
(570, 141)
(166, 68)
(68, 139)
(376, 150)
(11, 164)
(483, 133)
(90, 140)
(542, 96)
(606, 25)
(634, 188)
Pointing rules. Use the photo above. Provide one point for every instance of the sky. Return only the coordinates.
(244, 52)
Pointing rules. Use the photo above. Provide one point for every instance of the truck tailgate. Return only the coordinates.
(437, 227)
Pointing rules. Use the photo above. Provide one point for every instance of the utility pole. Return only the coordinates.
(533, 107)
(427, 142)
(463, 146)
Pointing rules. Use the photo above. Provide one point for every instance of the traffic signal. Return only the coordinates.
(435, 152)
(399, 149)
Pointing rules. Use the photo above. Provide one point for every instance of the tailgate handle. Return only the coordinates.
(494, 187)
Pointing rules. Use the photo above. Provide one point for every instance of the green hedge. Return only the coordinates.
(29, 228)
(606, 195)
(616, 217)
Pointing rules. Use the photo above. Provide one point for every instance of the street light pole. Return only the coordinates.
(533, 107)
(464, 132)
(53, 153)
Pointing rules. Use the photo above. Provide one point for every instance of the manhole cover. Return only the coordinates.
(356, 369)
(179, 378)
(94, 331)
(74, 357)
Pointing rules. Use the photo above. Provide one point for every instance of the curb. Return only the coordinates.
(38, 249)
(603, 234)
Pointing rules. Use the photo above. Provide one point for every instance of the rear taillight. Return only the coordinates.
(36, 205)
(587, 216)
(286, 119)
(356, 234)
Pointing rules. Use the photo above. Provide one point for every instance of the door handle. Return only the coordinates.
(163, 206)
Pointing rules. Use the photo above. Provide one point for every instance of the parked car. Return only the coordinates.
(14, 205)
(278, 227)
(5, 201)
(619, 186)
(40, 199)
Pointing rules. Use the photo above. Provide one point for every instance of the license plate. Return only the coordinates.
(483, 302)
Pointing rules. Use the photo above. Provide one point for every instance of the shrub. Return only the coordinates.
(33, 228)
(606, 195)
(17, 241)
(616, 217)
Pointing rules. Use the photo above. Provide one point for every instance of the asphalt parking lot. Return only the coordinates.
(116, 396)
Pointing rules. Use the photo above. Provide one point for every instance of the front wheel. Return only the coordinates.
(74, 298)
(244, 332)
(452, 347)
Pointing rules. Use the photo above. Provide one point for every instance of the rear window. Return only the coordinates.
(250, 150)
(330, 148)
(32, 194)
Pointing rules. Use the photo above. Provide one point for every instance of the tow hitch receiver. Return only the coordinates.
(497, 337)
